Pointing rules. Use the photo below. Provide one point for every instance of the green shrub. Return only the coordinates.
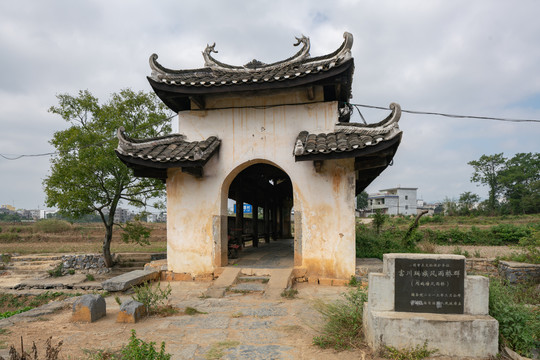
(52, 226)
(151, 297)
(519, 325)
(57, 271)
(343, 321)
(501, 234)
(369, 244)
(138, 349)
(509, 233)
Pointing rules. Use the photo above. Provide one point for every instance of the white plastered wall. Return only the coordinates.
(262, 134)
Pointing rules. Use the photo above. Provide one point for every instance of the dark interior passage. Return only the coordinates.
(269, 192)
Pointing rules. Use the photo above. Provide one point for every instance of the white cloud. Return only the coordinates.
(459, 57)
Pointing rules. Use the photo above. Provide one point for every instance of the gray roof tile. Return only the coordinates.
(166, 151)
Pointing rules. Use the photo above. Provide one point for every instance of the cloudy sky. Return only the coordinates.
(460, 57)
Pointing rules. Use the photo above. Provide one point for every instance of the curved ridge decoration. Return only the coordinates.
(301, 57)
(387, 127)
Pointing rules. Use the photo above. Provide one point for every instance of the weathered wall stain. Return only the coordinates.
(262, 135)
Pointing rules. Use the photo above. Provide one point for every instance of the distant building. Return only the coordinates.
(395, 201)
(8, 207)
(123, 215)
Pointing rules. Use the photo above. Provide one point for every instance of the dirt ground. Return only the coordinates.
(240, 326)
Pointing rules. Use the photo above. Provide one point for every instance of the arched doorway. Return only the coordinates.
(260, 200)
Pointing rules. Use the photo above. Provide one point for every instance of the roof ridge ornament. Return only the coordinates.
(211, 62)
(388, 127)
(342, 54)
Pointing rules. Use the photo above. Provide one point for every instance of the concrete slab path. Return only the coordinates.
(237, 326)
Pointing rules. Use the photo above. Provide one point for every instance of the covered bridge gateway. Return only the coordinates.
(275, 136)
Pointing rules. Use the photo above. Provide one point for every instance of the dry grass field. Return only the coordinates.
(31, 238)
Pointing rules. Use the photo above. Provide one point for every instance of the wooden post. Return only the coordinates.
(266, 216)
(255, 222)
(239, 221)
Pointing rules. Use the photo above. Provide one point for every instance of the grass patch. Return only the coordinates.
(57, 271)
(518, 315)
(192, 311)
(416, 353)
(11, 304)
(289, 294)
(217, 351)
(52, 226)
(343, 321)
(90, 277)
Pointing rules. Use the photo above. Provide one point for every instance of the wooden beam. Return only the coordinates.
(311, 93)
(318, 165)
(199, 101)
(370, 163)
(195, 171)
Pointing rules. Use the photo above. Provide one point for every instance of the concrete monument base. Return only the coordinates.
(474, 336)
(437, 303)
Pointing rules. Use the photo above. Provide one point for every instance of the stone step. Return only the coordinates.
(36, 262)
(259, 279)
(280, 279)
(224, 281)
(132, 264)
(245, 287)
(147, 257)
(32, 258)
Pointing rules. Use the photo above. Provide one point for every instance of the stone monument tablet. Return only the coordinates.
(429, 285)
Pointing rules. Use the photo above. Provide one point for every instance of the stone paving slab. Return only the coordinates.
(127, 280)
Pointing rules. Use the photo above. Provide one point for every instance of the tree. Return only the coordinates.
(520, 183)
(86, 177)
(467, 200)
(362, 201)
(449, 206)
(487, 171)
(379, 218)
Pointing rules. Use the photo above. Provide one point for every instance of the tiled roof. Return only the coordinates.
(216, 73)
(347, 138)
(166, 151)
(179, 89)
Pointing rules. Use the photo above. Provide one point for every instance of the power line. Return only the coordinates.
(451, 115)
(17, 157)
(416, 112)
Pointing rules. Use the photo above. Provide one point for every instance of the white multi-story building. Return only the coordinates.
(395, 201)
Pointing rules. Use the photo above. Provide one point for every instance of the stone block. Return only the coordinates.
(204, 278)
(476, 295)
(88, 308)
(340, 282)
(325, 281)
(299, 272)
(159, 265)
(127, 280)
(166, 276)
(381, 292)
(519, 272)
(183, 277)
(313, 280)
(131, 312)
